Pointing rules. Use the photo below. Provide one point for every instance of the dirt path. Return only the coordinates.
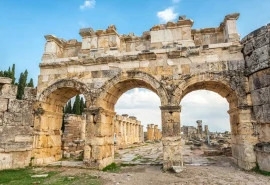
(199, 170)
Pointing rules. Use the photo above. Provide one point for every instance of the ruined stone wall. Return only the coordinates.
(16, 126)
(256, 50)
(73, 137)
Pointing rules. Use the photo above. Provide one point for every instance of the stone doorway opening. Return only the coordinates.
(73, 128)
(137, 128)
(205, 128)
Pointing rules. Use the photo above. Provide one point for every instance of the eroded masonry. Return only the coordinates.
(171, 60)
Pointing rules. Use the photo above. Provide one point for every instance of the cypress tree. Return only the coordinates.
(13, 74)
(68, 108)
(31, 83)
(22, 84)
(82, 105)
(20, 87)
(76, 106)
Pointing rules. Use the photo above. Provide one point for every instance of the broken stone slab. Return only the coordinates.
(178, 169)
(5, 80)
(40, 176)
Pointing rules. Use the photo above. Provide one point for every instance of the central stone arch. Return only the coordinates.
(125, 81)
(99, 149)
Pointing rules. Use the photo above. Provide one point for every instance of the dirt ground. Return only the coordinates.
(199, 170)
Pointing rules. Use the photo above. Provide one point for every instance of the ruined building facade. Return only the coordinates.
(171, 60)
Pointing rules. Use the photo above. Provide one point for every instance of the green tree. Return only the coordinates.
(22, 84)
(76, 106)
(31, 83)
(82, 105)
(13, 74)
(68, 108)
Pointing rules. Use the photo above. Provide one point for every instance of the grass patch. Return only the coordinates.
(112, 168)
(258, 170)
(23, 177)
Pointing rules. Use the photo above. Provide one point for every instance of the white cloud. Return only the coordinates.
(176, 1)
(88, 4)
(167, 15)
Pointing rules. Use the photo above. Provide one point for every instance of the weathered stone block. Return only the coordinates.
(260, 79)
(8, 91)
(18, 147)
(264, 132)
(261, 96)
(1, 119)
(30, 93)
(263, 155)
(23, 138)
(3, 104)
(6, 161)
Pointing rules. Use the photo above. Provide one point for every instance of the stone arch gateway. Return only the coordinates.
(171, 60)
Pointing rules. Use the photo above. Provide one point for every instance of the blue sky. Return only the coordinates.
(23, 23)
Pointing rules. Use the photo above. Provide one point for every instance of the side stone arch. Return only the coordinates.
(208, 81)
(63, 90)
(48, 119)
(233, 89)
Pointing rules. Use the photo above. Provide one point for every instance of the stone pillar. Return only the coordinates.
(199, 128)
(156, 132)
(171, 138)
(83, 127)
(47, 136)
(242, 137)
(141, 135)
(99, 137)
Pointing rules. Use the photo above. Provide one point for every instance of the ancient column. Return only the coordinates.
(171, 138)
(156, 132)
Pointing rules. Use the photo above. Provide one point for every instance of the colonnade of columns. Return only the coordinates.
(127, 130)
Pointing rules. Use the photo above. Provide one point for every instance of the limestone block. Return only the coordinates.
(260, 79)
(8, 91)
(3, 104)
(54, 141)
(100, 140)
(258, 112)
(105, 162)
(266, 113)
(23, 138)
(6, 161)
(263, 160)
(236, 65)
(5, 80)
(264, 132)
(21, 159)
(244, 153)
(1, 119)
(18, 147)
(261, 41)
(260, 96)
(30, 93)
